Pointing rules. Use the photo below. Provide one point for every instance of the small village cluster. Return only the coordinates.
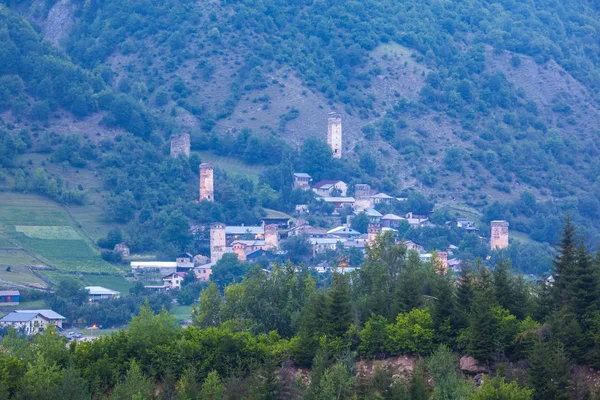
(250, 243)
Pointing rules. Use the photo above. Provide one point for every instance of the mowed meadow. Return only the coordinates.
(35, 231)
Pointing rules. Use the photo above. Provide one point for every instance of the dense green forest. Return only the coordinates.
(135, 71)
(253, 338)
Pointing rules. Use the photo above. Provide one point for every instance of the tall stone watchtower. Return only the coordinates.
(207, 188)
(334, 134)
(180, 144)
(271, 236)
(218, 243)
(373, 231)
(499, 235)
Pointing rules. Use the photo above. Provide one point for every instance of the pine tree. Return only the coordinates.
(408, 293)
(503, 286)
(464, 295)
(339, 310)
(583, 289)
(445, 310)
(483, 324)
(544, 301)
(549, 371)
(564, 263)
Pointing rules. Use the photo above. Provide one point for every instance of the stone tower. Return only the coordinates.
(499, 235)
(271, 236)
(373, 231)
(334, 134)
(207, 189)
(218, 242)
(180, 144)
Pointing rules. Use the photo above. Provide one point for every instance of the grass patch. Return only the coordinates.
(16, 258)
(4, 242)
(49, 232)
(21, 275)
(232, 165)
(182, 313)
(45, 229)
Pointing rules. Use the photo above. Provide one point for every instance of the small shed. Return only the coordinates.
(10, 297)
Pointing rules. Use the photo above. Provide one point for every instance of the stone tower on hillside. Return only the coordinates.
(499, 235)
(180, 144)
(271, 237)
(207, 189)
(218, 242)
(373, 231)
(334, 134)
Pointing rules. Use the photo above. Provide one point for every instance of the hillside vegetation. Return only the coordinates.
(468, 102)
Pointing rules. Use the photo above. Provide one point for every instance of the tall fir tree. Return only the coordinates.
(549, 371)
(464, 296)
(564, 263)
(339, 308)
(483, 331)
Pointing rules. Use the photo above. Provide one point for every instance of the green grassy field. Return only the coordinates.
(45, 229)
(21, 275)
(182, 313)
(16, 258)
(231, 165)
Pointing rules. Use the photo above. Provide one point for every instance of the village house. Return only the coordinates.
(301, 181)
(416, 221)
(343, 231)
(202, 272)
(183, 263)
(308, 231)
(99, 293)
(321, 245)
(381, 199)
(32, 322)
(174, 280)
(374, 216)
(331, 188)
(410, 245)
(391, 221)
(463, 223)
(339, 202)
(29, 323)
(244, 232)
(9, 297)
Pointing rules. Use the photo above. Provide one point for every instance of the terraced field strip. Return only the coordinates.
(44, 229)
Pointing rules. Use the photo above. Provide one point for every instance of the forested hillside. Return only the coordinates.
(473, 103)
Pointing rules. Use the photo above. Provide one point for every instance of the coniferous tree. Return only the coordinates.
(445, 310)
(549, 371)
(465, 295)
(544, 300)
(483, 328)
(564, 263)
(504, 286)
(409, 294)
(339, 309)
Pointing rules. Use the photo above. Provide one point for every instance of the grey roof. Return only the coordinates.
(99, 290)
(392, 217)
(301, 175)
(250, 242)
(242, 230)
(339, 199)
(19, 316)
(371, 212)
(381, 196)
(49, 314)
(9, 293)
(343, 230)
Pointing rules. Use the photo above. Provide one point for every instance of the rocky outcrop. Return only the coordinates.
(59, 22)
(470, 365)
